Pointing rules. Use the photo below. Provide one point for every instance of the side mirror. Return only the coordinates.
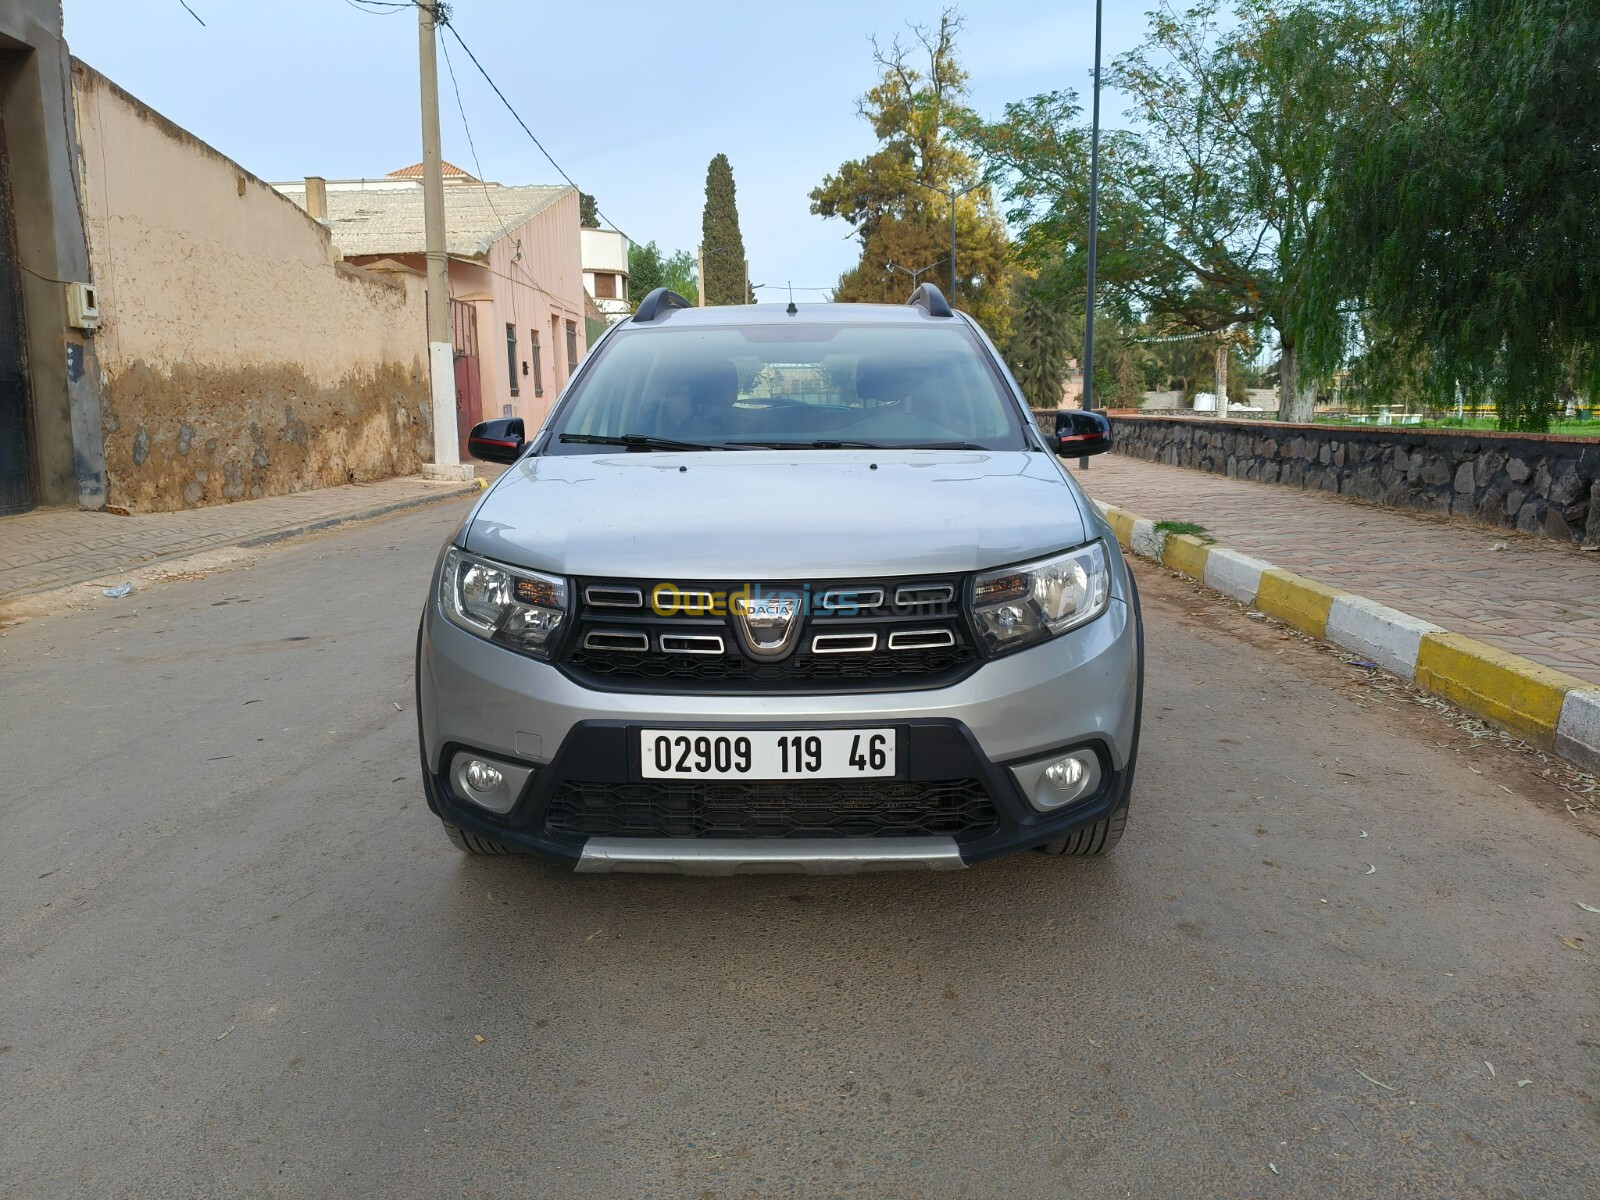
(1082, 433)
(497, 441)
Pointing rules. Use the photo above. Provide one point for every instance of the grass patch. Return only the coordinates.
(1185, 527)
(1560, 428)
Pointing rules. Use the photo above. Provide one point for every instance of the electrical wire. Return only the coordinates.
(449, 25)
(442, 16)
(472, 147)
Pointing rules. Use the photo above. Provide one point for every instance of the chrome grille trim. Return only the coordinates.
(616, 639)
(844, 643)
(604, 595)
(910, 595)
(691, 643)
(921, 639)
(837, 598)
(690, 604)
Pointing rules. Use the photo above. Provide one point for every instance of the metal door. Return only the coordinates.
(469, 387)
(16, 437)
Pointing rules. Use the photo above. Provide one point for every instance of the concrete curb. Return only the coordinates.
(1549, 708)
(252, 541)
(366, 514)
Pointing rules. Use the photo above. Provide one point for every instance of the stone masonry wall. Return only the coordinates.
(1529, 482)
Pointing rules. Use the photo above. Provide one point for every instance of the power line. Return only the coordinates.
(450, 25)
(191, 11)
(472, 147)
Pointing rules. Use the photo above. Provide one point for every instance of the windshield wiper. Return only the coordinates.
(940, 446)
(636, 441)
(820, 444)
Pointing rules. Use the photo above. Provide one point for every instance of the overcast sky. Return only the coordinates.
(632, 99)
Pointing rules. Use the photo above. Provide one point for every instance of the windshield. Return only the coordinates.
(802, 385)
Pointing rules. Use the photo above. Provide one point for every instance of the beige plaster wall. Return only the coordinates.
(241, 357)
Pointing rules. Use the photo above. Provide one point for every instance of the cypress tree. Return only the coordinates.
(1041, 346)
(720, 239)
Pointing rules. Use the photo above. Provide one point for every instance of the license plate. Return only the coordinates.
(766, 753)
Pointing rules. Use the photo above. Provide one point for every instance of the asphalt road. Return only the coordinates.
(238, 957)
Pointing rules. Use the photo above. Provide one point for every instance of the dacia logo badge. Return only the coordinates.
(768, 622)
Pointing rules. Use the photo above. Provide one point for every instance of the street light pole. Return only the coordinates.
(952, 195)
(916, 276)
(441, 352)
(1094, 233)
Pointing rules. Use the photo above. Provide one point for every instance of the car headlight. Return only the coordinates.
(1021, 605)
(521, 610)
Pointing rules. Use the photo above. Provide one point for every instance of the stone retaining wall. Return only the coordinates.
(1534, 483)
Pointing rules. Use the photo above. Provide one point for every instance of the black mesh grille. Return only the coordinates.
(958, 808)
(923, 665)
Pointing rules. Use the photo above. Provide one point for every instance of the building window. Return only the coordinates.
(511, 356)
(538, 366)
(572, 348)
(605, 286)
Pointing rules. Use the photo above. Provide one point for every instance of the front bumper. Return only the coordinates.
(1079, 690)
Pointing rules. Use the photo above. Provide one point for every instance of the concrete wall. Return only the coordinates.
(240, 357)
(532, 280)
(1536, 484)
(542, 289)
(63, 381)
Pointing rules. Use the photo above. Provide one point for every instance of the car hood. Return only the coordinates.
(776, 514)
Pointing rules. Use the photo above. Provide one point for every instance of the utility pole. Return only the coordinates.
(1224, 348)
(447, 462)
(700, 269)
(1094, 233)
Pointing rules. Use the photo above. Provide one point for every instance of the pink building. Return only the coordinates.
(516, 276)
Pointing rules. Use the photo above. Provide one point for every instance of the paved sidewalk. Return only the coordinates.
(1533, 597)
(54, 547)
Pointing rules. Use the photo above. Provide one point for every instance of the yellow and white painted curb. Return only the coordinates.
(1549, 708)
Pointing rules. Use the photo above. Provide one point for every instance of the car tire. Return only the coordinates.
(473, 843)
(1094, 839)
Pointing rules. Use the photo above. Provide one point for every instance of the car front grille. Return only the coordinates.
(859, 635)
(838, 808)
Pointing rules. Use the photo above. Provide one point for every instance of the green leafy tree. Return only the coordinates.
(588, 211)
(649, 269)
(889, 197)
(645, 270)
(1459, 215)
(720, 240)
(678, 273)
(1208, 206)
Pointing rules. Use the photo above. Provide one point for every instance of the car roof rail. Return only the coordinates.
(658, 303)
(932, 299)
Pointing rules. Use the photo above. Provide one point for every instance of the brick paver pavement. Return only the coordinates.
(52, 547)
(1532, 597)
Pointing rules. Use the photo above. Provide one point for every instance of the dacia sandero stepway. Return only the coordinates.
(779, 588)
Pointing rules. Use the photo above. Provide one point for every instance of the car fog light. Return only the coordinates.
(1064, 776)
(1057, 782)
(481, 777)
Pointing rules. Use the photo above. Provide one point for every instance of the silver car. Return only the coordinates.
(773, 588)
